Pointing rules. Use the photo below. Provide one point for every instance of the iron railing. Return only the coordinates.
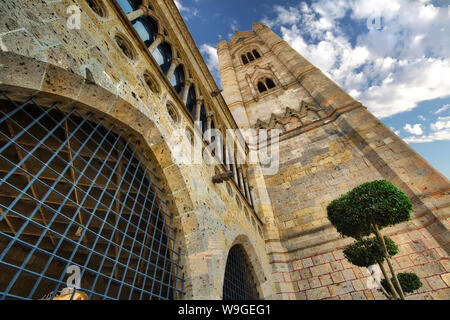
(239, 283)
(76, 192)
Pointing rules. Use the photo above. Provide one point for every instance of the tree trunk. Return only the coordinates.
(383, 270)
(389, 282)
(388, 259)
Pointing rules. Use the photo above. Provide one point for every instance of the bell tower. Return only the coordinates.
(329, 144)
(263, 78)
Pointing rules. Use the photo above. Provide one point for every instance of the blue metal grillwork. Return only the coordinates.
(239, 283)
(75, 191)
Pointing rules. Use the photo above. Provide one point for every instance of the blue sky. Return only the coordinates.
(392, 55)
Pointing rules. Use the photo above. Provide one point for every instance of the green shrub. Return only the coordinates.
(410, 282)
(378, 202)
(368, 252)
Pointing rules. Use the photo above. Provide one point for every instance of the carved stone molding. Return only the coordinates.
(292, 118)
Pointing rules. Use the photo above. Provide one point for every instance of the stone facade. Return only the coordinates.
(105, 68)
(329, 144)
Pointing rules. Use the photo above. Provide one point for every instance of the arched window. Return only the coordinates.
(256, 54)
(147, 28)
(261, 87)
(129, 5)
(203, 118)
(163, 56)
(244, 59)
(238, 283)
(270, 84)
(89, 157)
(190, 103)
(178, 79)
(250, 56)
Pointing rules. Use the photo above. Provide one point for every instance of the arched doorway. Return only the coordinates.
(239, 282)
(77, 194)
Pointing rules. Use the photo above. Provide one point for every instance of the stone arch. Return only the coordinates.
(262, 75)
(246, 49)
(49, 84)
(255, 262)
(166, 58)
(173, 47)
(198, 92)
(154, 16)
(178, 86)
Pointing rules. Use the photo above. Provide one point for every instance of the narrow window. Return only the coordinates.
(147, 28)
(270, 84)
(178, 79)
(163, 56)
(250, 56)
(261, 87)
(129, 5)
(256, 54)
(244, 59)
(203, 118)
(191, 100)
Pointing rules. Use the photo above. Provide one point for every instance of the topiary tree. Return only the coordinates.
(367, 252)
(366, 210)
(410, 282)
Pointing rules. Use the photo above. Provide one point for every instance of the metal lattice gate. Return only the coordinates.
(239, 283)
(76, 194)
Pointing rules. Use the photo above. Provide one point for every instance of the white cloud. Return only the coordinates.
(443, 108)
(185, 11)
(414, 129)
(397, 132)
(435, 136)
(442, 123)
(391, 69)
(234, 24)
(180, 6)
(421, 117)
(440, 132)
(212, 60)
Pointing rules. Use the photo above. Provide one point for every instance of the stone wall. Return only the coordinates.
(318, 166)
(86, 69)
(329, 144)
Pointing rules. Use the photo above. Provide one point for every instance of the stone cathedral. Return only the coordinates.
(98, 100)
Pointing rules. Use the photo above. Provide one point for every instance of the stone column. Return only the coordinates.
(184, 93)
(173, 65)
(252, 201)
(234, 169)
(247, 191)
(159, 39)
(198, 107)
(142, 11)
(208, 127)
(227, 159)
(241, 180)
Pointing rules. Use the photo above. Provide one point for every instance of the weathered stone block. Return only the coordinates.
(321, 269)
(316, 294)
